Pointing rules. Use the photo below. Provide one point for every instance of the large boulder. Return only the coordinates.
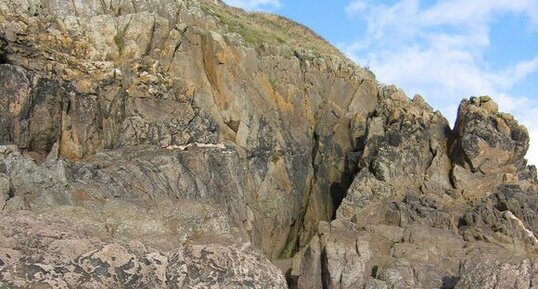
(489, 147)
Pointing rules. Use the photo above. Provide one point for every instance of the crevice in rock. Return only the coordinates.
(291, 280)
(233, 125)
(449, 282)
(11, 192)
(338, 193)
(297, 230)
(325, 275)
(339, 190)
(374, 272)
(3, 50)
(3, 58)
(315, 149)
(10, 195)
(176, 48)
(152, 35)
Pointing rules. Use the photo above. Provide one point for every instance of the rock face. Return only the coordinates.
(431, 207)
(53, 254)
(186, 144)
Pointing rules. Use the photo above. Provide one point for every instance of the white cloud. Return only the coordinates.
(438, 51)
(529, 119)
(254, 4)
(356, 6)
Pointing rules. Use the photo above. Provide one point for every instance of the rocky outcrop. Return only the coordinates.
(185, 144)
(489, 148)
(496, 273)
(49, 253)
(165, 76)
(404, 151)
(410, 221)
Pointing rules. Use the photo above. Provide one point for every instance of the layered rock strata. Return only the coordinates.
(186, 144)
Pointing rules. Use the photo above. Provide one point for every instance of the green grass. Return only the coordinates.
(119, 38)
(259, 28)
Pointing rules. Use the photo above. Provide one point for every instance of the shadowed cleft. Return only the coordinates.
(3, 51)
(449, 282)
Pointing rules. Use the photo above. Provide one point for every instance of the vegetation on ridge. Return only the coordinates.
(263, 28)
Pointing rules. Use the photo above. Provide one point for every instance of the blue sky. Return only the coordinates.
(444, 50)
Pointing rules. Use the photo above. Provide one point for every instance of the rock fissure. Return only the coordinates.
(151, 37)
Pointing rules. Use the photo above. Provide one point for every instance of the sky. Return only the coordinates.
(444, 50)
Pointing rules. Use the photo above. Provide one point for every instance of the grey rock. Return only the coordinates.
(507, 214)
(59, 256)
(375, 284)
(5, 190)
(307, 267)
(494, 273)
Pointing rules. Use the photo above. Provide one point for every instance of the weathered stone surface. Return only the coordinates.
(508, 214)
(57, 254)
(5, 190)
(425, 258)
(166, 75)
(338, 258)
(488, 149)
(307, 267)
(163, 143)
(138, 104)
(404, 151)
(493, 273)
(408, 209)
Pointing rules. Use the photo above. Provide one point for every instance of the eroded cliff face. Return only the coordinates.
(184, 144)
(431, 207)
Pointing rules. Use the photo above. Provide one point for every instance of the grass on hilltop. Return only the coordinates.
(260, 28)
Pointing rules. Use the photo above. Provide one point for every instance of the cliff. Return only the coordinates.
(188, 144)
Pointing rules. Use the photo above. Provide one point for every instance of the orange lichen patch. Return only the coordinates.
(222, 98)
(15, 107)
(85, 85)
(189, 90)
(281, 103)
(308, 113)
(69, 145)
(227, 55)
(222, 57)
